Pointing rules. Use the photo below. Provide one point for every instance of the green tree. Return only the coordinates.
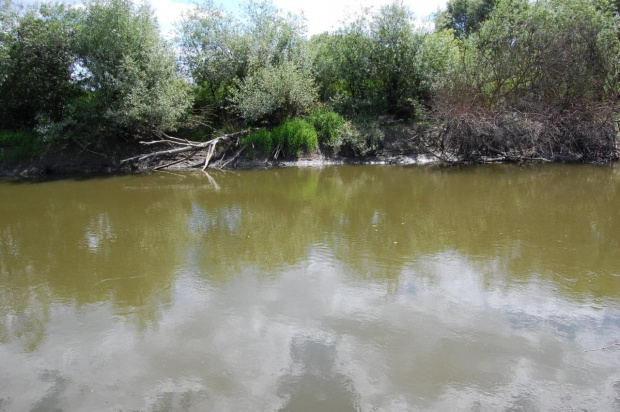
(396, 56)
(344, 68)
(37, 60)
(274, 93)
(7, 17)
(373, 64)
(128, 73)
(551, 53)
(258, 65)
(464, 17)
(537, 80)
(214, 52)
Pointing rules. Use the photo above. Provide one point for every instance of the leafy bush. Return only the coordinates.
(547, 69)
(36, 63)
(258, 61)
(553, 54)
(129, 70)
(361, 138)
(327, 125)
(274, 93)
(16, 146)
(373, 65)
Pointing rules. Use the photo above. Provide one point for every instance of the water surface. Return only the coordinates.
(490, 288)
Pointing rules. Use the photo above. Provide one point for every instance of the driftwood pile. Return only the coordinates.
(178, 146)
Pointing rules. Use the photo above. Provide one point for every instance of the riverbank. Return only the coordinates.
(72, 163)
(400, 144)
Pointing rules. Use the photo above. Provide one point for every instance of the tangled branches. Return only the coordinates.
(577, 136)
(181, 146)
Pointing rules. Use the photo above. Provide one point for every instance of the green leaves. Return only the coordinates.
(557, 54)
(258, 64)
(373, 64)
(464, 17)
(36, 59)
(129, 71)
(274, 93)
(90, 73)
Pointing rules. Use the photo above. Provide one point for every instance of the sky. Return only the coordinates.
(321, 15)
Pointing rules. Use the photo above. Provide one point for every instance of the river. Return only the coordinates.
(371, 288)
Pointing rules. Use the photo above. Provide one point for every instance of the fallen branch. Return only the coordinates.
(185, 146)
(172, 163)
(235, 157)
(210, 151)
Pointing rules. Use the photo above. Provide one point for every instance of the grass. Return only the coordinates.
(293, 136)
(17, 146)
(327, 124)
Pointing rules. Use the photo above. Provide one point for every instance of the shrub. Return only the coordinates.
(274, 93)
(373, 65)
(254, 59)
(36, 63)
(539, 80)
(327, 125)
(16, 146)
(295, 135)
(292, 136)
(129, 73)
(360, 138)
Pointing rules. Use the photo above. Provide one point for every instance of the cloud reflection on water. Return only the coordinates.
(315, 337)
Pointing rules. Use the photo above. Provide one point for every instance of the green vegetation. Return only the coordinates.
(18, 146)
(373, 65)
(128, 75)
(327, 124)
(95, 73)
(495, 78)
(538, 79)
(256, 67)
(464, 17)
(293, 136)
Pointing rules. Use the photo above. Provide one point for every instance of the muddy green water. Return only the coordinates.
(488, 288)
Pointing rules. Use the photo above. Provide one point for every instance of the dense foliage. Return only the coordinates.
(38, 56)
(538, 79)
(374, 64)
(256, 66)
(128, 75)
(464, 17)
(513, 78)
(293, 136)
(91, 73)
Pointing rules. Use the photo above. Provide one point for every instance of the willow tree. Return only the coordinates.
(128, 75)
(373, 64)
(255, 66)
(37, 57)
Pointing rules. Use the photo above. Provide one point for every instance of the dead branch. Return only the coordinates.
(235, 157)
(173, 163)
(210, 151)
(184, 145)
